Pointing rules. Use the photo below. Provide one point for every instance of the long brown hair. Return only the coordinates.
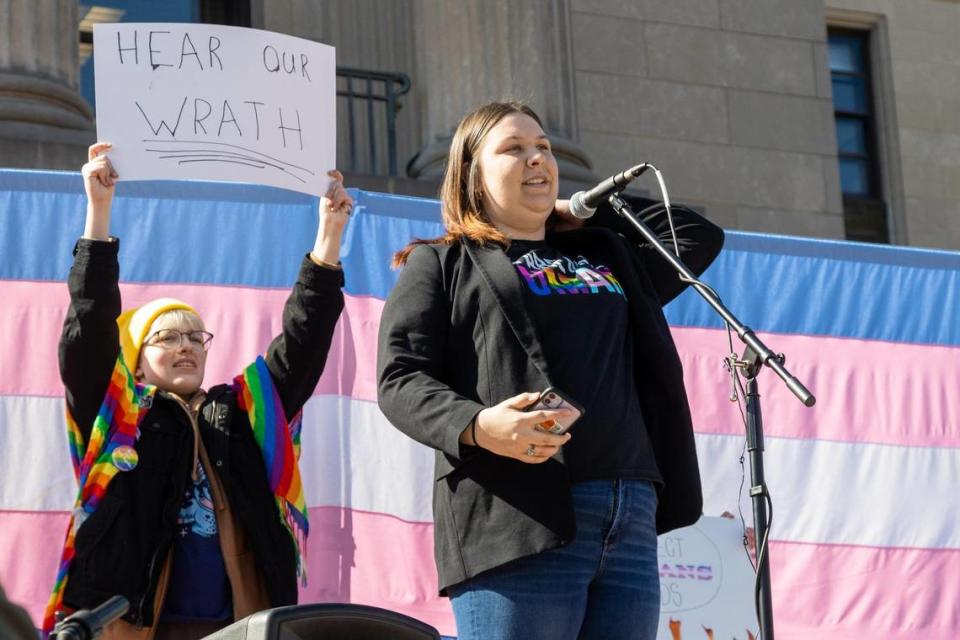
(461, 192)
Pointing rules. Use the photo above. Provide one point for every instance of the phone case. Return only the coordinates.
(553, 398)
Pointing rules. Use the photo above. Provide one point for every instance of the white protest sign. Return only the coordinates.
(198, 101)
(706, 583)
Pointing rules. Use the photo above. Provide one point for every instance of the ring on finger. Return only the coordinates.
(531, 450)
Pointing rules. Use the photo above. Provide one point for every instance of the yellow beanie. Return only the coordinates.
(135, 323)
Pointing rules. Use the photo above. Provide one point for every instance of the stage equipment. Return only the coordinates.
(87, 624)
(326, 622)
(583, 204)
(755, 355)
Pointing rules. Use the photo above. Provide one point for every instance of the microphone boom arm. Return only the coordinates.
(765, 355)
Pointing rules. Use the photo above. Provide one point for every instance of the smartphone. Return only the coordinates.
(553, 398)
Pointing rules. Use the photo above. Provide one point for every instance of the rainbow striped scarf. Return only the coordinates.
(279, 443)
(116, 425)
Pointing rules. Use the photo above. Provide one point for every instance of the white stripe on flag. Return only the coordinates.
(841, 492)
(823, 491)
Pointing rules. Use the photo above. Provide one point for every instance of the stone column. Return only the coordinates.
(470, 52)
(44, 122)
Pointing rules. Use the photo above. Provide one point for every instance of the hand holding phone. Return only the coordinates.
(553, 399)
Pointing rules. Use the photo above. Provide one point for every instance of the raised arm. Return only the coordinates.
(296, 358)
(89, 341)
(699, 241)
(334, 212)
(99, 181)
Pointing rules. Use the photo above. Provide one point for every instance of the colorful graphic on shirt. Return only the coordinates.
(196, 514)
(565, 275)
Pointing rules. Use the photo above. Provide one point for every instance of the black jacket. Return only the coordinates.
(121, 547)
(455, 338)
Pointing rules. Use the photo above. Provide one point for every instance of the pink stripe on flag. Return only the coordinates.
(821, 591)
(351, 369)
(375, 559)
(839, 592)
(354, 556)
(867, 391)
(244, 320)
(30, 544)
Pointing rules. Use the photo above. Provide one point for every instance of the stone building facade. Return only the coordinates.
(732, 99)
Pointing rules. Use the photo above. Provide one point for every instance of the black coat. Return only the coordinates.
(121, 547)
(455, 337)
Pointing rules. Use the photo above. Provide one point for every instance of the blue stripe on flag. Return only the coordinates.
(253, 236)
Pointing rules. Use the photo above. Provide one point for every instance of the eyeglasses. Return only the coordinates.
(171, 339)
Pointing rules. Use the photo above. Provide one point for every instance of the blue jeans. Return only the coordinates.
(605, 584)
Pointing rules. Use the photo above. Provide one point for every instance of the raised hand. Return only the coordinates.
(99, 181)
(334, 212)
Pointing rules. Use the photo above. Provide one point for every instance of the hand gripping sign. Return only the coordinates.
(197, 101)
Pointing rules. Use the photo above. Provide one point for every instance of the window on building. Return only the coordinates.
(229, 12)
(864, 208)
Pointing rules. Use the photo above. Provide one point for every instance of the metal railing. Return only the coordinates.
(375, 95)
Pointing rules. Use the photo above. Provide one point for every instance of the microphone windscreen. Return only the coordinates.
(578, 208)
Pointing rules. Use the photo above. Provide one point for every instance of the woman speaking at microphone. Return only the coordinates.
(541, 534)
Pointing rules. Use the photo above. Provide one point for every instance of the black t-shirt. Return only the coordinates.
(581, 314)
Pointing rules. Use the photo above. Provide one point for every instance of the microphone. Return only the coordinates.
(584, 204)
(86, 624)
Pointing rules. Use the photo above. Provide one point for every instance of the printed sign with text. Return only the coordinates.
(706, 583)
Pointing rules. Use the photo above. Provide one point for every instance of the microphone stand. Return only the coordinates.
(756, 355)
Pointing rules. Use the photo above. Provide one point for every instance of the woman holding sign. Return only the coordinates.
(518, 324)
(190, 501)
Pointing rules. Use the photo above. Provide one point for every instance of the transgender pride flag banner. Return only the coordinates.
(865, 537)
